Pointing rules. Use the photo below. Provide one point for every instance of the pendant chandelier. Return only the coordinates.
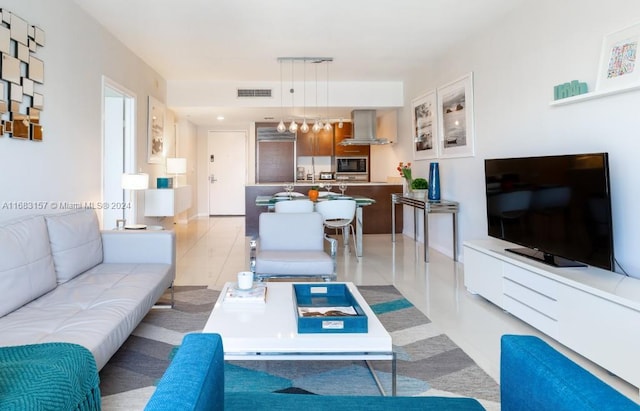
(293, 127)
(327, 124)
(281, 127)
(304, 127)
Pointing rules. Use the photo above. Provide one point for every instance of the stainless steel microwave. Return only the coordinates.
(347, 166)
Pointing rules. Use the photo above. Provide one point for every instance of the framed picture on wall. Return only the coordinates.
(424, 131)
(618, 60)
(155, 132)
(455, 118)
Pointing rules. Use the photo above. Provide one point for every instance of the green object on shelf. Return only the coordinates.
(565, 90)
(419, 184)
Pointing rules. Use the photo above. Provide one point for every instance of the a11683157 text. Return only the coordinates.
(64, 205)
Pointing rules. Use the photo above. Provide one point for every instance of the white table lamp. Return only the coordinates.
(134, 182)
(177, 165)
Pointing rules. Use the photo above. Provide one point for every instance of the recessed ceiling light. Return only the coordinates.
(220, 118)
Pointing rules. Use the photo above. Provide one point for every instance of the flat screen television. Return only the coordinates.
(557, 207)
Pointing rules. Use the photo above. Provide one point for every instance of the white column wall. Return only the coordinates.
(67, 165)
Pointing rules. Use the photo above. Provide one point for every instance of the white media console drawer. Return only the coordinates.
(529, 279)
(531, 297)
(591, 311)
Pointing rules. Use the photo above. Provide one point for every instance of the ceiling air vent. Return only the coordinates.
(254, 92)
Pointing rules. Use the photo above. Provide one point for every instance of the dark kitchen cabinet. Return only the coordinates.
(344, 151)
(275, 162)
(323, 142)
(275, 159)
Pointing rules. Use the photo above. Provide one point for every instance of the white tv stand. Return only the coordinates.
(593, 312)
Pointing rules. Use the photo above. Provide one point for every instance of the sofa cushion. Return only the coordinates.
(26, 264)
(297, 262)
(281, 402)
(76, 244)
(194, 380)
(536, 377)
(98, 309)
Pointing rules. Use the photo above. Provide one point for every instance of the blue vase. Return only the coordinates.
(434, 182)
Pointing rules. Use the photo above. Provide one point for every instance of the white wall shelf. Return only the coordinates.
(591, 311)
(593, 95)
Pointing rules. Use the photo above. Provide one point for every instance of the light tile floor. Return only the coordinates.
(210, 251)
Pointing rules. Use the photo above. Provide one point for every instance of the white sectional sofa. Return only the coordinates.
(64, 280)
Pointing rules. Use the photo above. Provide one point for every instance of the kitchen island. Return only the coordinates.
(376, 216)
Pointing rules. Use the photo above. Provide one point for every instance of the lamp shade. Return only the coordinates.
(176, 165)
(139, 181)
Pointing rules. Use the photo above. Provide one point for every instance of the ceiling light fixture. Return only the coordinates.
(327, 124)
(304, 127)
(281, 128)
(317, 125)
(293, 127)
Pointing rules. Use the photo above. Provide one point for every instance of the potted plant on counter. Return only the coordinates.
(419, 187)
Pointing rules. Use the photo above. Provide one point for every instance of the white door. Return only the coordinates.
(118, 154)
(227, 172)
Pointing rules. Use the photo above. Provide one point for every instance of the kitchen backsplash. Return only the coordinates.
(322, 163)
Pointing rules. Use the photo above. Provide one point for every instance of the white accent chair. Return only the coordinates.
(294, 206)
(291, 245)
(338, 214)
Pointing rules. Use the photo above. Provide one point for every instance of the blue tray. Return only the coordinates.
(328, 295)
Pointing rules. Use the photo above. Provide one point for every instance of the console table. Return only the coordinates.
(166, 202)
(427, 207)
(593, 312)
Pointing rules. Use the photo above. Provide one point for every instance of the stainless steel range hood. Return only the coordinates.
(364, 130)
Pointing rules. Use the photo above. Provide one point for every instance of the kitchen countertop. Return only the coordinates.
(376, 215)
(332, 182)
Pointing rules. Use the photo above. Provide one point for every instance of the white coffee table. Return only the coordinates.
(269, 332)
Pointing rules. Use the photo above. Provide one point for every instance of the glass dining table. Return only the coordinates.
(269, 202)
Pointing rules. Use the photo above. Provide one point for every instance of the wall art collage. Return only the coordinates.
(21, 74)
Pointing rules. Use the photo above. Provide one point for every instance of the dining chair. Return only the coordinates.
(339, 214)
(294, 206)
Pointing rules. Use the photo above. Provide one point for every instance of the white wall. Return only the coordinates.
(196, 93)
(67, 165)
(187, 147)
(516, 64)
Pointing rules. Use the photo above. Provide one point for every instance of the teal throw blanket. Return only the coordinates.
(51, 376)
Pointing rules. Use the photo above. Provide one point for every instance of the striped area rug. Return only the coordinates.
(428, 362)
